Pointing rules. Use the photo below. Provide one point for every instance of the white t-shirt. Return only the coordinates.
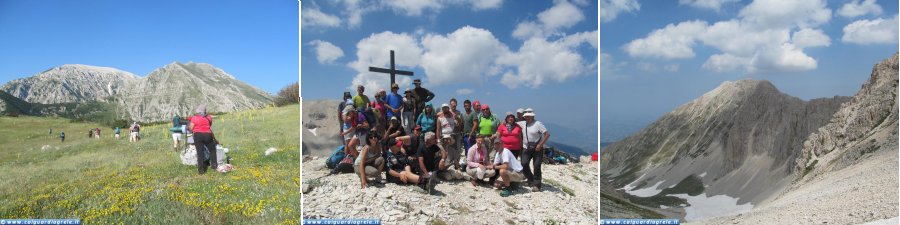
(507, 157)
(532, 133)
(447, 124)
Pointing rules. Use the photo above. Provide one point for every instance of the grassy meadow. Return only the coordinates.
(110, 181)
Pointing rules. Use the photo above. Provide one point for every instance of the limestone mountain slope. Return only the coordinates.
(177, 88)
(70, 83)
(738, 141)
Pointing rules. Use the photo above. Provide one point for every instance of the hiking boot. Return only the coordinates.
(506, 192)
(432, 181)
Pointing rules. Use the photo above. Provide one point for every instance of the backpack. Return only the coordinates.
(335, 158)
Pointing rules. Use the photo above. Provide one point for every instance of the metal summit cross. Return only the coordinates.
(392, 71)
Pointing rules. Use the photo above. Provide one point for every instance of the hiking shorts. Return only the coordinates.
(514, 176)
(176, 136)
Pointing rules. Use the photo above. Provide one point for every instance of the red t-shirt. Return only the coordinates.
(201, 124)
(511, 140)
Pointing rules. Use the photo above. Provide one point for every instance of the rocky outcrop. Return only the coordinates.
(320, 116)
(178, 88)
(70, 83)
(742, 139)
(569, 196)
(865, 124)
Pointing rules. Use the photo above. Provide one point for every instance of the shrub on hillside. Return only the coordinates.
(288, 95)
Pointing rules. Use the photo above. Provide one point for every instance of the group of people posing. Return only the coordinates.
(407, 140)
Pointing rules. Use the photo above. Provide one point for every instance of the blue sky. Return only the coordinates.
(658, 55)
(254, 41)
(509, 54)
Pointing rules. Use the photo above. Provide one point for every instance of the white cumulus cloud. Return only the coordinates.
(877, 31)
(314, 17)
(562, 14)
(610, 9)
(540, 61)
(859, 8)
(715, 5)
(465, 55)
(326, 52)
(464, 91)
(375, 51)
(413, 7)
(671, 42)
(781, 14)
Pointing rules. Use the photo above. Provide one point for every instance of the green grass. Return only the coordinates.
(112, 181)
(644, 213)
(564, 189)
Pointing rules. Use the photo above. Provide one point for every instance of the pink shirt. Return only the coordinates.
(201, 124)
(477, 156)
(511, 140)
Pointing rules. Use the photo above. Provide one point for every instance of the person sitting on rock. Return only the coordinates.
(369, 163)
(399, 169)
(477, 162)
(431, 157)
(510, 169)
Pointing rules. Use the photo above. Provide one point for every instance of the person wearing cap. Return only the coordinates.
(431, 157)
(486, 124)
(204, 140)
(394, 102)
(394, 129)
(409, 110)
(519, 113)
(478, 161)
(360, 101)
(399, 169)
(510, 134)
(348, 116)
(422, 95)
(508, 167)
(341, 112)
(427, 118)
(533, 139)
(446, 126)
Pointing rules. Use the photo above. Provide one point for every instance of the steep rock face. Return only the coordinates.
(178, 88)
(70, 83)
(741, 139)
(865, 124)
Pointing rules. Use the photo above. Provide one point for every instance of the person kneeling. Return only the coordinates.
(431, 158)
(477, 162)
(509, 168)
(369, 163)
(399, 169)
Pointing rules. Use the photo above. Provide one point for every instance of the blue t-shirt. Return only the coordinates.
(394, 100)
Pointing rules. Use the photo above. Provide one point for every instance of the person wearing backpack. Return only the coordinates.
(118, 132)
(369, 163)
(204, 140)
(534, 137)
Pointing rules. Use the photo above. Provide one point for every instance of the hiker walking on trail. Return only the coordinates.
(176, 132)
(62, 136)
(426, 119)
(369, 163)
(204, 140)
(118, 131)
(135, 132)
(510, 134)
(534, 138)
(422, 95)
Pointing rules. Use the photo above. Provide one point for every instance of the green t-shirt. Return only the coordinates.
(486, 126)
(360, 101)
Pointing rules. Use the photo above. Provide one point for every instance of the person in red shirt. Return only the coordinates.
(510, 135)
(204, 140)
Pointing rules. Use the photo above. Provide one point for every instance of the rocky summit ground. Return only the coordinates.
(569, 196)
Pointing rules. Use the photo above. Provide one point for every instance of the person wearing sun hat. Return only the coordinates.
(534, 137)
(422, 95)
(446, 125)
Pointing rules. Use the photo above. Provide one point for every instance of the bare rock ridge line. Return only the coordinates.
(780, 154)
(174, 89)
(847, 170)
